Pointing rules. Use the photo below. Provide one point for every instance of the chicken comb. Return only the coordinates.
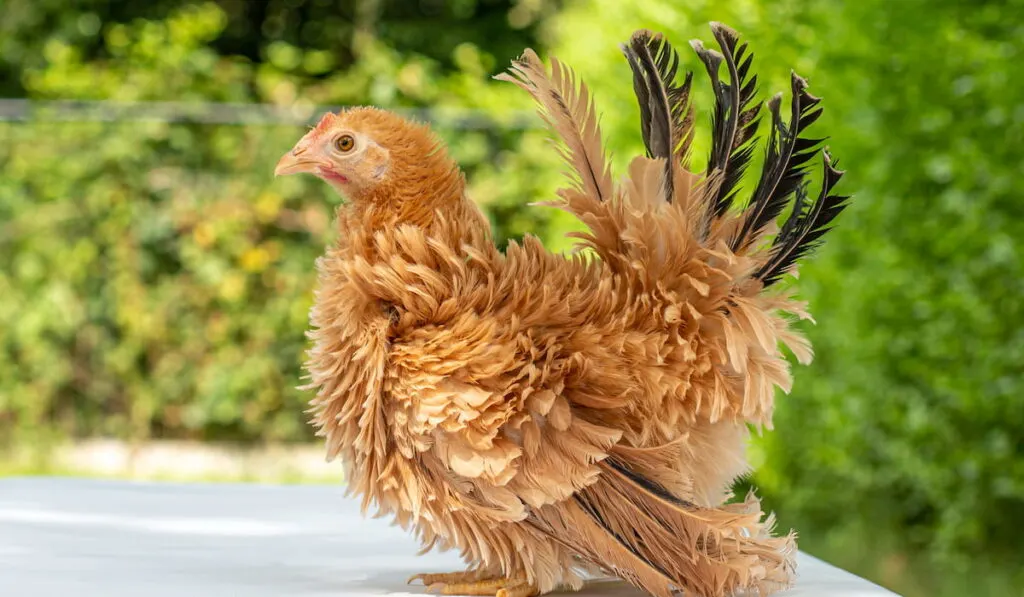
(326, 122)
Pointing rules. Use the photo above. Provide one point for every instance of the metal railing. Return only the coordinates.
(25, 110)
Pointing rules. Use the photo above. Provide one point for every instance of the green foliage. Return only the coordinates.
(154, 279)
(913, 407)
(906, 433)
(908, 425)
(330, 33)
(147, 288)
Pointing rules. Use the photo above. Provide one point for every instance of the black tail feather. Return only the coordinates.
(666, 116)
(785, 162)
(735, 117)
(652, 487)
(803, 230)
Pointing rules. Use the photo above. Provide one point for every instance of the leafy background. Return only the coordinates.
(155, 279)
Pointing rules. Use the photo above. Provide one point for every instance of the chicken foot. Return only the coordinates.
(473, 582)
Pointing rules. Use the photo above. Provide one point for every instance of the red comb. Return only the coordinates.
(325, 122)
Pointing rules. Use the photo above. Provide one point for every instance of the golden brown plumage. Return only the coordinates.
(553, 416)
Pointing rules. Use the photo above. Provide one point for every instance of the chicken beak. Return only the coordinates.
(294, 164)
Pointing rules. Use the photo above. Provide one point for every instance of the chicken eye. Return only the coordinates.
(345, 143)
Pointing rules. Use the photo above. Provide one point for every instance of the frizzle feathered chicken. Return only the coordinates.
(555, 416)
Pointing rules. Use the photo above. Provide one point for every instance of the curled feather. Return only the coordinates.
(666, 115)
(785, 162)
(804, 229)
(734, 120)
(566, 106)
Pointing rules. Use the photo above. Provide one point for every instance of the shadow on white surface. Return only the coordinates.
(61, 537)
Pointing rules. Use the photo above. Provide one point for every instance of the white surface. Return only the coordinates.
(64, 537)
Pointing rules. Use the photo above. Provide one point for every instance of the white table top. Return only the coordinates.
(84, 538)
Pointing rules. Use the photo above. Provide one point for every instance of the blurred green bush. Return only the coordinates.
(154, 279)
(900, 452)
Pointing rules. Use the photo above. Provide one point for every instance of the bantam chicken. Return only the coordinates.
(550, 416)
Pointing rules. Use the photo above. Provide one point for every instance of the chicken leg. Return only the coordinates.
(473, 582)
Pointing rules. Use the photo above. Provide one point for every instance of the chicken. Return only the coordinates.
(553, 417)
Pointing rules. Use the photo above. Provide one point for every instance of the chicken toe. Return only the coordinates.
(470, 583)
(433, 578)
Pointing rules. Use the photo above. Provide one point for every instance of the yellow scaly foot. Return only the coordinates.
(473, 583)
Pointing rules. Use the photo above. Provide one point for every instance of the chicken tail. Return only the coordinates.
(664, 213)
(662, 544)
